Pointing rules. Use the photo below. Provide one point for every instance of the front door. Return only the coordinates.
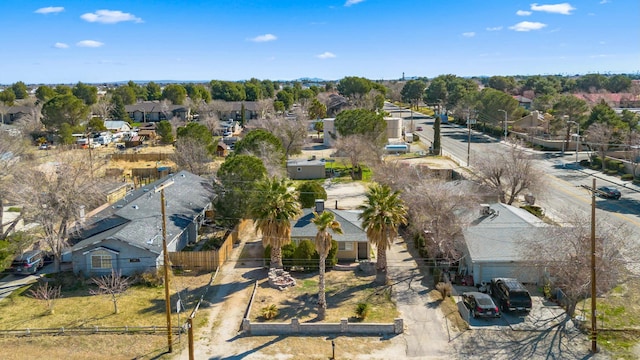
(363, 250)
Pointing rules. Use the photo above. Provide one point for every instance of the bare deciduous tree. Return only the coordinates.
(360, 149)
(632, 153)
(103, 107)
(52, 194)
(113, 285)
(291, 132)
(13, 148)
(565, 254)
(509, 174)
(192, 155)
(264, 107)
(600, 137)
(47, 294)
(438, 210)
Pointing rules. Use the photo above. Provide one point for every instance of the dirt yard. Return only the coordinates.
(344, 289)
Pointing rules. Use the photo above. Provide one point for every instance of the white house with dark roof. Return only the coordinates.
(116, 126)
(493, 244)
(352, 243)
(127, 236)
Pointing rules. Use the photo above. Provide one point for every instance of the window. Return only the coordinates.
(345, 246)
(101, 259)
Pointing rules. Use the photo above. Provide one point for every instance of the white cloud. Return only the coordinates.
(563, 8)
(523, 13)
(264, 38)
(326, 55)
(497, 28)
(89, 43)
(109, 17)
(527, 26)
(469, 34)
(60, 45)
(605, 1)
(50, 10)
(352, 2)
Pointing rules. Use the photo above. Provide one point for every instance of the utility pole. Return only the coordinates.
(505, 123)
(594, 333)
(167, 298)
(469, 138)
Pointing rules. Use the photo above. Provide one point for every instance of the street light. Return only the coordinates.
(577, 137)
(505, 124)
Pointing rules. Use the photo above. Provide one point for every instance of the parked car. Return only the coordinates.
(609, 192)
(510, 295)
(28, 263)
(419, 128)
(480, 305)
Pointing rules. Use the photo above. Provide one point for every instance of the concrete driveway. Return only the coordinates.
(10, 283)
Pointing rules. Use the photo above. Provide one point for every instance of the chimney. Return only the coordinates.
(81, 214)
(319, 206)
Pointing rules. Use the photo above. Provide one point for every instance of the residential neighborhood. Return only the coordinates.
(460, 200)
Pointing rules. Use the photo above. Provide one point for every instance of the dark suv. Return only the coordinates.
(510, 295)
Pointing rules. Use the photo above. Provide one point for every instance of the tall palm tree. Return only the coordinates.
(325, 222)
(273, 208)
(383, 212)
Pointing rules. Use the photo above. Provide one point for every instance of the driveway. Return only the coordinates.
(425, 329)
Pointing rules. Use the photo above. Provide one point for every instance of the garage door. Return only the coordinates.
(523, 274)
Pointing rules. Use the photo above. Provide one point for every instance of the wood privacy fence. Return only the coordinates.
(209, 260)
(140, 157)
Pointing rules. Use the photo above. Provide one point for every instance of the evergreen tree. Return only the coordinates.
(436, 136)
(119, 112)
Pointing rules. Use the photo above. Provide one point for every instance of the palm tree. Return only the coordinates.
(324, 221)
(383, 212)
(273, 209)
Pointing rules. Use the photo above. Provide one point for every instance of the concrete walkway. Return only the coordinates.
(425, 328)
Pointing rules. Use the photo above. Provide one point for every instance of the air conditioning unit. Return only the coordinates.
(485, 210)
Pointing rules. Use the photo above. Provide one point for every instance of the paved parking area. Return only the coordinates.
(544, 314)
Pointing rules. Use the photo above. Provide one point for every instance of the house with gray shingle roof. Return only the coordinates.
(353, 244)
(493, 244)
(127, 236)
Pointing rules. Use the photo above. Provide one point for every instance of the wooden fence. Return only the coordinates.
(141, 157)
(126, 330)
(209, 260)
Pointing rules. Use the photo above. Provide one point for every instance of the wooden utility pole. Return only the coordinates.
(167, 297)
(594, 333)
(190, 336)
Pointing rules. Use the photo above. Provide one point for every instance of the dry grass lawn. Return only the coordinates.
(345, 289)
(140, 306)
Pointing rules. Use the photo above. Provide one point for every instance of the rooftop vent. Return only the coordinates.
(486, 210)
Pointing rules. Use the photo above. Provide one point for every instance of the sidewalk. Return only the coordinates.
(425, 330)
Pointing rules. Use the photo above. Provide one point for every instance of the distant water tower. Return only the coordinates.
(403, 76)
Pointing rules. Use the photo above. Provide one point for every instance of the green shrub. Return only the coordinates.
(310, 191)
(363, 310)
(269, 312)
(303, 255)
(535, 210)
(14, 209)
(626, 177)
(596, 162)
(611, 172)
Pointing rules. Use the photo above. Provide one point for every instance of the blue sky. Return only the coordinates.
(106, 41)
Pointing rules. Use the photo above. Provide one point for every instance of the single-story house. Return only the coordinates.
(127, 236)
(353, 244)
(493, 244)
(534, 123)
(155, 111)
(301, 169)
(117, 126)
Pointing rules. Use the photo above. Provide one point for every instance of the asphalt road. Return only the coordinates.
(563, 179)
